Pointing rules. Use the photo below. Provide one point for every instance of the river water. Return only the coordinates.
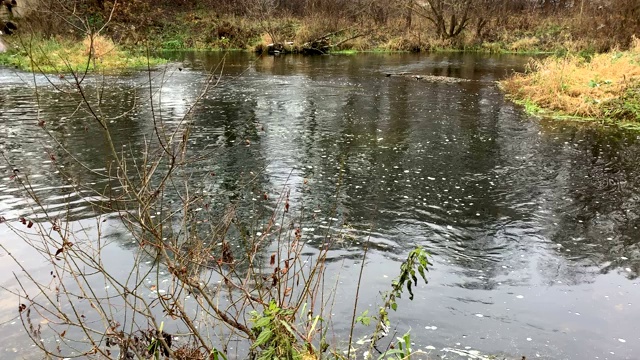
(532, 224)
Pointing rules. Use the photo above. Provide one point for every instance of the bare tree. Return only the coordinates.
(450, 17)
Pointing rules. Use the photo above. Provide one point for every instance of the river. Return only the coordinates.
(532, 224)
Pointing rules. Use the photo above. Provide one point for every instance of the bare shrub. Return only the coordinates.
(197, 276)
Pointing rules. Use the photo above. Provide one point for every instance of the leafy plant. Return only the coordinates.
(364, 318)
(175, 44)
(274, 333)
(403, 350)
(416, 264)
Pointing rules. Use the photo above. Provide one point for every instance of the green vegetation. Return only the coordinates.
(278, 333)
(61, 56)
(278, 305)
(603, 87)
(491, 26)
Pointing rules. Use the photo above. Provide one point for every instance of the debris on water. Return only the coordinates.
(622, 340)
(469, 354)
(529, 339)
(431, 327)
(479, 315)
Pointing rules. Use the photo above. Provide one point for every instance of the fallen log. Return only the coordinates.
(316, 47)
(279, 48)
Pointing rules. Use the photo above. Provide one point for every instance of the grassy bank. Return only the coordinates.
(206, 30)
(63, 55)
(604, 87)
(496, 26)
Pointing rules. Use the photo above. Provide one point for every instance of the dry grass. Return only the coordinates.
(575, 86)
(525, 44)
(59, 56)
(100, 45)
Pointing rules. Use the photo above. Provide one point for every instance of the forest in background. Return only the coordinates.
(401, 25)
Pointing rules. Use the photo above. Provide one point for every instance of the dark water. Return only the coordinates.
(532, 224)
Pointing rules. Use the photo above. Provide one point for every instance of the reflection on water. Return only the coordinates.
(533, 225)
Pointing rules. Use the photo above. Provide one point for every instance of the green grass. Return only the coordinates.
(345, 52)
(530, 107)
(626, 107)
(630, 124)
(55, 56)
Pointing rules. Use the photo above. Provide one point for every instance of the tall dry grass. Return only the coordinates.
(576, 85)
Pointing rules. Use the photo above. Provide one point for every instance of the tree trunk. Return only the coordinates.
(408, 15)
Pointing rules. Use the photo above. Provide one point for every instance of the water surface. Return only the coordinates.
(532, 224)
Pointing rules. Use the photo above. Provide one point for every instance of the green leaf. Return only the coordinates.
(389, 353)
(263, 338)
(268, 354)
(273, 306)
(421, 271)
(288, 327)
(217, 355)
(364, 319)
(313, 326)
(263, 322)
(394, 306)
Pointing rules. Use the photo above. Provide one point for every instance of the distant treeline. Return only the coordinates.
(604, 23)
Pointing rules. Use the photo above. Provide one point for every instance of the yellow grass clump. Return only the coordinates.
(525, 44)
(576, 86)
(59, 56)
(101, 45)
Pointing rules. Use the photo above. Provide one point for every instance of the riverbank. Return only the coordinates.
(331, 26)
(523, 33)
(604, 87)
(61, 55)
